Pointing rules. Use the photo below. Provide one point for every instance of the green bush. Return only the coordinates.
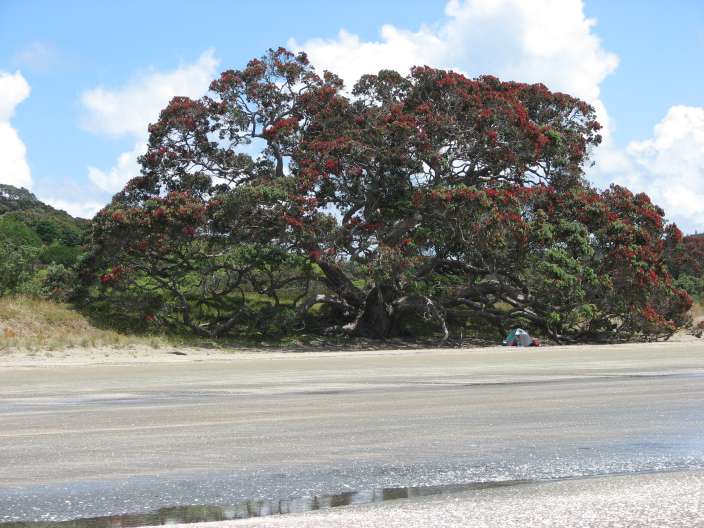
(47, 230)
(58, 283)
(15, 232)
(17, 266)
(692, 285)
(57, 253)
(51, 230)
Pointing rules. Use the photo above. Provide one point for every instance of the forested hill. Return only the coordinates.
(39, 245)
(18, 207)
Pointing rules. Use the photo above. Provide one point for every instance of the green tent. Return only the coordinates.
(519, 337)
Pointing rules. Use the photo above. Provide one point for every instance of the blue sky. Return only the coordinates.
(80, 80)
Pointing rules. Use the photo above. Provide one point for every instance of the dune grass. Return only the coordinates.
(35, 324)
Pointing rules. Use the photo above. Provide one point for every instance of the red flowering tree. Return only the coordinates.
(165, 261)
(434, 199)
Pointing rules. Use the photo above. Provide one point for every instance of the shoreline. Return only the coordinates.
(665, 499)
(144, 354)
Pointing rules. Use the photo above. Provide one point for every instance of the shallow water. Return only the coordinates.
(226, 495)
(258, 508)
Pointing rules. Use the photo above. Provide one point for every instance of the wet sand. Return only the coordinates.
(88, 435)
(663, 500)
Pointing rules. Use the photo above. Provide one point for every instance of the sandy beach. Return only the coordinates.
(96, 436)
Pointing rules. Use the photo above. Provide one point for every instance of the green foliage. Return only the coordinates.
(58, 282)
(39, 246)
(17, 233)
(685, 260)
(692, 285)
(17, 266)
(57, 253)
(48, 231)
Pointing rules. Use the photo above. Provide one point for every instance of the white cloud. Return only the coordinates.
(350, 57)
(127, 110)
(670, 165)
(130, 108)
(14, 169)
(78, 209)
(124, 170)
(549, 41)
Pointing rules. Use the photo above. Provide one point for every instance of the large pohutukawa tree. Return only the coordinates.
(426, 196)
(200, 239)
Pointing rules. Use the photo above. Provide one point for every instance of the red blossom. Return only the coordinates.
(112, 276)
(293, 221)
(119, 217)
(651, 313)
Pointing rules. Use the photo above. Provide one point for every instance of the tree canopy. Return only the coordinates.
(425, 203)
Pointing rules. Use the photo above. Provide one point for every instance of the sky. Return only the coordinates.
(81, 80)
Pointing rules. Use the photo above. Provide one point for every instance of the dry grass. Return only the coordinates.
(37, 325)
